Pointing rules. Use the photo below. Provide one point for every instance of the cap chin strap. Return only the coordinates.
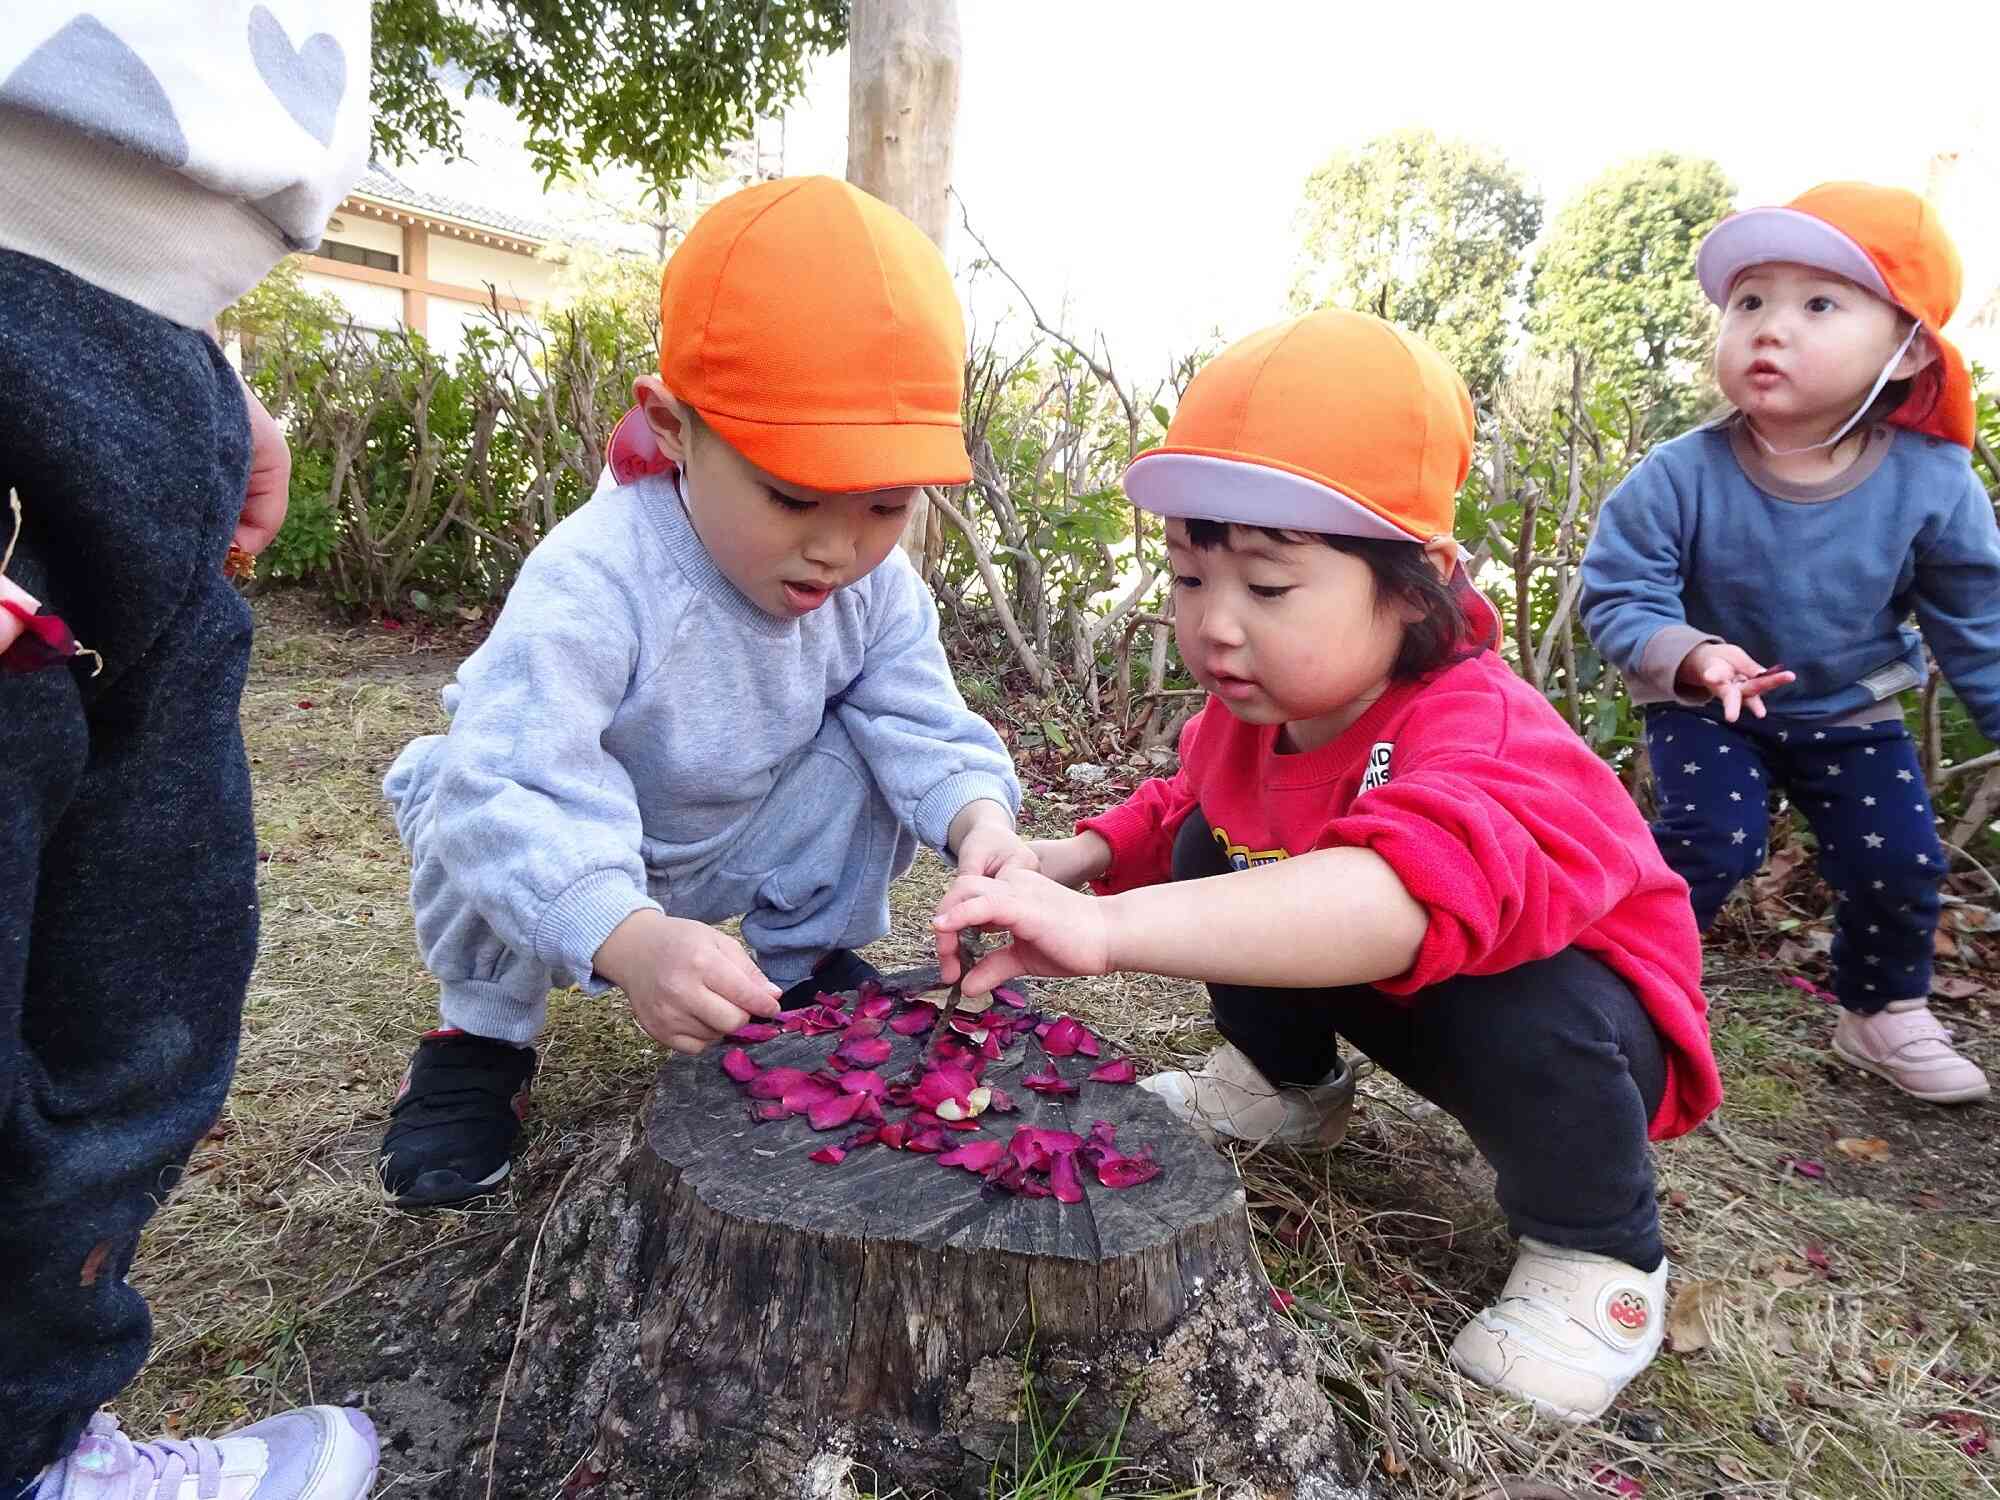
(1859, 411)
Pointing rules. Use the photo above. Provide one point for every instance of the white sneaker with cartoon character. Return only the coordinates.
(1569, 1332)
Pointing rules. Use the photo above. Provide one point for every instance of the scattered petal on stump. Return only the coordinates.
(914, 1020)
(863, 1081)
(876, 1007)
(832, 1156)
(831, 1114)
(736, 1063)
(1116, 1171)
(1063, 1181)
(975, 1156)
(865, 1052)
(755, 1032)
(1120, 1071)
(768, 1110)
(1014, 998)
(812, 1093)
(1062, 1037)
(999, 1101)
(1048, 1082)
(772, 1082)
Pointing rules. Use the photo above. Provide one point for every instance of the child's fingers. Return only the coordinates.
(1732, 700)
(993, 970)
(739, 982)
(687, 1046)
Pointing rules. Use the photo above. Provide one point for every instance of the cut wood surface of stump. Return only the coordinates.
(723, 1315)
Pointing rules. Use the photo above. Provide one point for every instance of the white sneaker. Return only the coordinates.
(1227, 1098)
(1910, 1047)
(314, 1453)
(1569, 1332)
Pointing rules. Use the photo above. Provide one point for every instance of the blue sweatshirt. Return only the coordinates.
(1703, 543)
(631, 709)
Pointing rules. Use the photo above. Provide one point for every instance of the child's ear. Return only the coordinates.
(1441, 552)
(1920, 356)
(665, 414)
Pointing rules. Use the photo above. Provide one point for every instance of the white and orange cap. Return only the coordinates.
(1335, 422)
(1886, 240)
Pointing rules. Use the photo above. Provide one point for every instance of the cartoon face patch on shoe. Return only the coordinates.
(1629, 1311)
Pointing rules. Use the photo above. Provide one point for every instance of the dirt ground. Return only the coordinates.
(1835, 1245)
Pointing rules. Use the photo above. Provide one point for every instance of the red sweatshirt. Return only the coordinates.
(1516, 839)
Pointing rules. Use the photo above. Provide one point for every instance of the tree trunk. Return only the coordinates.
(719, 1315)
(902, 113)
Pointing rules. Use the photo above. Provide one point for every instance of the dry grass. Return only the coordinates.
(1841, 1319)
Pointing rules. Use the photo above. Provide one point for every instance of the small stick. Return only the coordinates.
(1714, 1128)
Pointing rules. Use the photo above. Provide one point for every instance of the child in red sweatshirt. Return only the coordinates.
(1379, 832)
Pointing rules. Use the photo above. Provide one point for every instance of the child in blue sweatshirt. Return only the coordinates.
(1781, 551)
(716, 692)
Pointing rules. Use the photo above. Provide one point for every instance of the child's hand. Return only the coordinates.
(983, 841)
(1730, 674)
(270, 489)
(10, 627)
(1073, 861)
(689, 985)
(1057, 932)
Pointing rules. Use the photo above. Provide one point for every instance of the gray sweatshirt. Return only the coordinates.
(632, 708)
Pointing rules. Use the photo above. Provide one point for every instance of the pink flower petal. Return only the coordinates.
(1103, 1140)
(974, 1156)
(769, 1109)
(1048, 1081)
(863, 1081)
(1281, 1301)
(772, 1082)
(875, 1007)
(1014, 998)
(1812, 1169)
(865, 1052)
(930, 1139)
(1062, 1037)
(861, 1028)
(1800, 982)
(1000, 1101)
(1116, 1171)
(914, 1020)
(831, 1156)
(801, 1097)
(831, 1114)
(1067, 1186)
(1034, 1146)
(1120, 1071)
(893, 1135)
(736, 1063)
(942, 1083)
(755, 1032)
(1607, 1478)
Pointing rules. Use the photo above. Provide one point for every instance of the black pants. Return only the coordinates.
(1553, 1068)
(128, 902)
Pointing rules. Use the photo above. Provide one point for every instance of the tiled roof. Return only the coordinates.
(379, 182)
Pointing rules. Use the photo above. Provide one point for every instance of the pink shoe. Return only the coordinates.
(1905, 1044)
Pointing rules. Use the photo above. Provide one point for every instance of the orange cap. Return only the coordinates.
(816, 329)
(1335, 422)
(1887, 240)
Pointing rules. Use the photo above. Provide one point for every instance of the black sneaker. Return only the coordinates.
(452, 1128)
(842, 969)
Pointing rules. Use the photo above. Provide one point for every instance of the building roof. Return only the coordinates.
(380, 182)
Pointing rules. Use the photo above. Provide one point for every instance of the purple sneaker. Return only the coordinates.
(314, 1453)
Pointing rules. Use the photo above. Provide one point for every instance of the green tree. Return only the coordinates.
(1616, 279)
(661, 85)
(1427, 233)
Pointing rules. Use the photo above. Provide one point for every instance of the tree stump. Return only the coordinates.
(721, 1315)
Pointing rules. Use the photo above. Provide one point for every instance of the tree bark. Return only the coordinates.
(902, 114)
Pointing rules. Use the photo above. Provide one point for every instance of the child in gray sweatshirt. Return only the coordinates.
(715, 692)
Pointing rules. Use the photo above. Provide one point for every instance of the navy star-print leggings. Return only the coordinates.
(1862, 792)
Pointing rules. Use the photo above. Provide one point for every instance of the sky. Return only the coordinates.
(1141, 163)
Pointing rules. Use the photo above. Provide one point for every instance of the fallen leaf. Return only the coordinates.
(1927, 1200)
(1943, 944)
(1786, 1280)
(1688, 1321)
(1732, 1467)
(1956, 987)
(1862, 1147)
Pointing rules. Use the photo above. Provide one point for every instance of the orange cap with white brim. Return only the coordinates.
(1335, 422)
(1887, 241)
